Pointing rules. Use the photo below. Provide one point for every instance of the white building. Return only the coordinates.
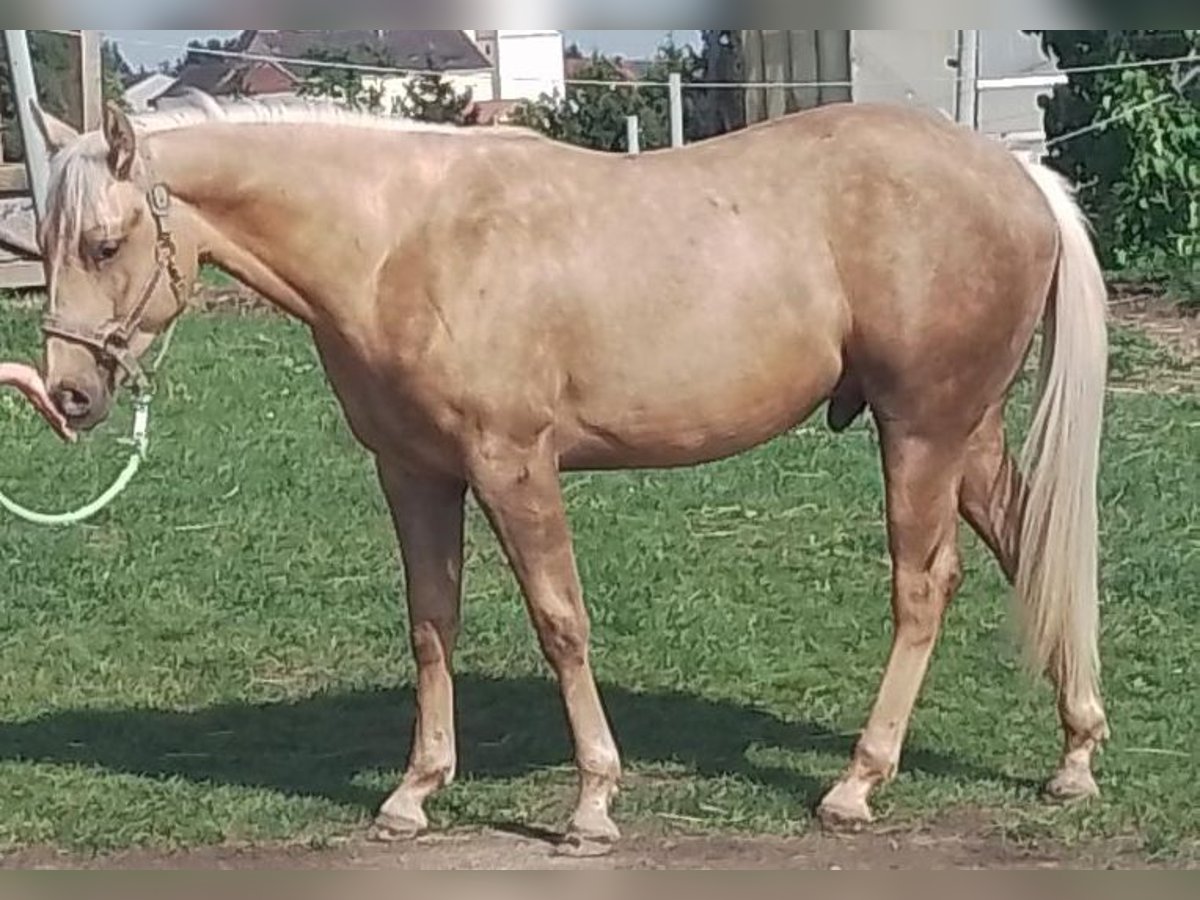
(526, 63)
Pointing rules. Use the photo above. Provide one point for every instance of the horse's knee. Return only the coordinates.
(921, 595)
(564, 638)
(431, 642)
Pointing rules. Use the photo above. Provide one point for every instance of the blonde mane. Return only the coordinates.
(80, 180)
(204, 109)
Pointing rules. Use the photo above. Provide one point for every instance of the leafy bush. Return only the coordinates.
(1139, 175)
(431, 98)
(427, 97)
(594, 115)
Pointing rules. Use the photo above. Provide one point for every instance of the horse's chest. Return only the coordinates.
(389, 413)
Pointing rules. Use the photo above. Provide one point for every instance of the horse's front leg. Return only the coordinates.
(428, 515)
(518, 488)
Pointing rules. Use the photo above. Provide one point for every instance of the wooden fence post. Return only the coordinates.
(91, 67)
(37, 161)
(19, 251)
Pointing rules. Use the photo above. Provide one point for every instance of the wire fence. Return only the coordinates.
(399, 71)
(1186, 69)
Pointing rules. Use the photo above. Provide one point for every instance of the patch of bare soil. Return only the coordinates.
(1153, 312)
(961, 842)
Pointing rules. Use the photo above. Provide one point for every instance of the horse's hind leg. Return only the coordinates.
(993, 500)
(993, 492)
(923, 472)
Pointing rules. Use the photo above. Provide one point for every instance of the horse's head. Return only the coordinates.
(120, 264)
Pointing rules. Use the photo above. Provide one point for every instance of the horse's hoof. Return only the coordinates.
(1071, 786)
(844, 818)
(388, 829)
(578, 846)
(589, 837)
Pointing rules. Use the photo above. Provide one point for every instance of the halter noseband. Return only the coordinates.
(111, 341)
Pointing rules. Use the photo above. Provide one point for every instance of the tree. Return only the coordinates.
(722, 109)
(344, 85)
(1139, 175)
(429, 97)
(594, 115)
(115, 71)
(230, 45)
(52, 70)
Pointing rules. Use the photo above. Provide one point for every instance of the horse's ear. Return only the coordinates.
(55, 132)
(122, 143)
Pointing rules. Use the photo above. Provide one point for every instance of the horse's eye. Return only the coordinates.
(105, 250)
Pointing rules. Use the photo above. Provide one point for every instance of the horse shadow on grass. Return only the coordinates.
(321, 746)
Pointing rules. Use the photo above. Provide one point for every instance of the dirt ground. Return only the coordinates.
(1150, 311)
(962, 842)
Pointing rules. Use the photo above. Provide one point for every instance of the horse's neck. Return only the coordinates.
(304, 216)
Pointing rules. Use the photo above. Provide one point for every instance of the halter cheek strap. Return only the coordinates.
(111, 341)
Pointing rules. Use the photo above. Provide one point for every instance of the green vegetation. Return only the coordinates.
(51, 55)
(594, 115)
(223, 655)
(1139, 174)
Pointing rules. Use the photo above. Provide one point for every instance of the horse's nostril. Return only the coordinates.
(72, 402)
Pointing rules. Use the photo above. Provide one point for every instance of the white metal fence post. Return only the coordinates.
(37, 162)
(676, 109)
(633, 135)
(968, 77)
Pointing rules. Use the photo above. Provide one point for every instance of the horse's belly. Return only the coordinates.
(701, 421)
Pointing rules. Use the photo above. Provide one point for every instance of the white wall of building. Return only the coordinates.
(530, 64)
(480, 84)
(911, 66)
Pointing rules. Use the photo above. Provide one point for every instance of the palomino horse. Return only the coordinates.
(493, 308)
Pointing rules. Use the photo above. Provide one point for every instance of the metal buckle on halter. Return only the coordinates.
(159, 198)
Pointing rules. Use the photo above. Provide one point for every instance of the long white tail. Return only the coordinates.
(1056, 583)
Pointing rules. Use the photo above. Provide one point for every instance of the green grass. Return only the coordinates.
(223, 655)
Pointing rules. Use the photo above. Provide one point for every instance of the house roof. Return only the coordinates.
(440, 50)
(147, 89)
(436, 50)
(221, 77)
